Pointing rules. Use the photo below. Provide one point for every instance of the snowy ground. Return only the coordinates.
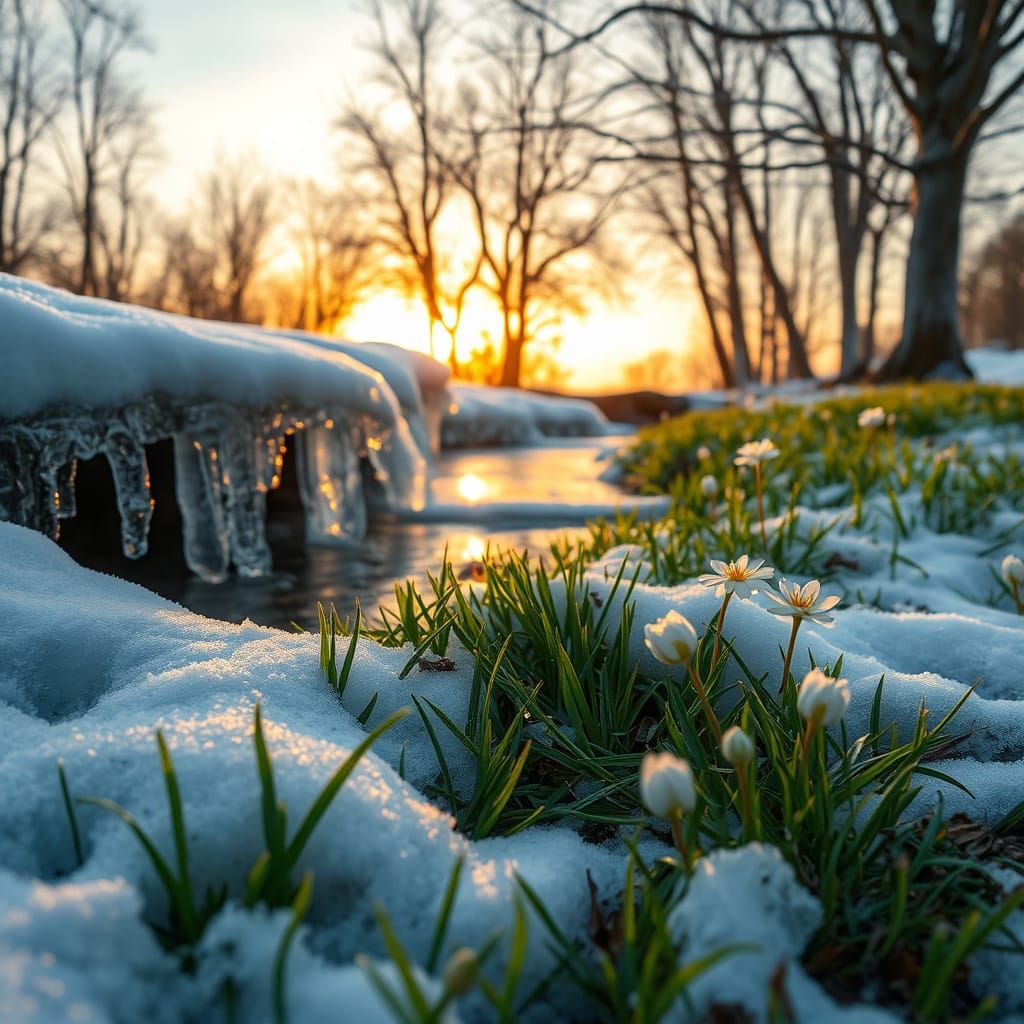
(92, 666)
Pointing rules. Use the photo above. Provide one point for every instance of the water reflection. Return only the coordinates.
(514, 482)
(472, 487)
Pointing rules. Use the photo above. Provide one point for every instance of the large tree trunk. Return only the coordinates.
(930, 344)
(849, 251)
(512, 365)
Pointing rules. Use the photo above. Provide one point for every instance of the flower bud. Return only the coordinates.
(822, 700)
(737, 747)
(708, 486)
(672, 640)
(703, 453)
(1012, 570)
(666, 785)
(459, 973)
(871, 417)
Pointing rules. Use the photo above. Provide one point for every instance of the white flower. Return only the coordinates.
(737, 747)
(802, 602)
(666, 785)
(822, 699)
(672, 640)
(735, 577)
(708, 486)
(755, 452)
(459, 973)
(874, 417)
(1012, 570)
(703, 453)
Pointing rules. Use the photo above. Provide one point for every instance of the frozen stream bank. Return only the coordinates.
(510, 497)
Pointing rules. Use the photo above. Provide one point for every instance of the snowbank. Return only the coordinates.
(85, 377)
(123, 662)
(90, 666)
(996, 366)
(480, 416)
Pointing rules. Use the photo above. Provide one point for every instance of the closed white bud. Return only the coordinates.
(459, 973)
(703, 453)
(672, 640)
(1012, 570)
(871, 417)
(737, 747)
(708, 486)
(822, 700)
(666, 785)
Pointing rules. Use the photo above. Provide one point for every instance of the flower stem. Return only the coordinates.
(676, 821)
(750, 826)
(1017, 600)
(709, 711)
(718, 629)
(760, 503)
(797, 619)
(812, 727)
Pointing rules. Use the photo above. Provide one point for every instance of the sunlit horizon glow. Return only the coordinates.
(593, 350)
(257, 78)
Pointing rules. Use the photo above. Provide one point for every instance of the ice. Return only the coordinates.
(331, 484)
(85, 377)
(197, 482)
(126, 454)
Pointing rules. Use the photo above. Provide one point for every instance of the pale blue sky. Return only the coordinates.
(259, 75)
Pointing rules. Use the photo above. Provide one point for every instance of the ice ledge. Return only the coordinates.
(84, 377)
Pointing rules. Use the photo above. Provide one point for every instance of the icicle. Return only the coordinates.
(67, 505)
(127, 458)
(245, 494)
(198, 485)
(400, 468)
(330, 483)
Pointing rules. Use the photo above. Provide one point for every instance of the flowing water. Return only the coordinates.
(508, 497)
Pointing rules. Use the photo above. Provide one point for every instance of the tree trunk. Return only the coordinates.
(870, 327)
(930, 344)
(512, 365)
(849, 250)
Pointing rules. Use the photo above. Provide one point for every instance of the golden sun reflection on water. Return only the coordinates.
(472, 488)
(475, 549)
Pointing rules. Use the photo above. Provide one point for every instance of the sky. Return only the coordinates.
(267, 77)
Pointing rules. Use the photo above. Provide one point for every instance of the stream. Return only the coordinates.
(509, 497)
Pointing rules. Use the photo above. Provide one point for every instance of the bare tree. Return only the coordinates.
(850, 111)
(540, 192)
(185, 282)
(400, 148)
(235, 219)
(29, 98)
(104, 107)
(125, 212)
(995, 288)
(954, 68)
(334, 244)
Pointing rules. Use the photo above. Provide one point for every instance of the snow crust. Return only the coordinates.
(88, 676)
(86, 377)
(479, 416)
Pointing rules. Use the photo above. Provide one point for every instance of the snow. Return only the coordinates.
(750, 897)
(91, 666)
(91, 680)
(479, 416)
(89, 676)
(996, 366)
(86, 377)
